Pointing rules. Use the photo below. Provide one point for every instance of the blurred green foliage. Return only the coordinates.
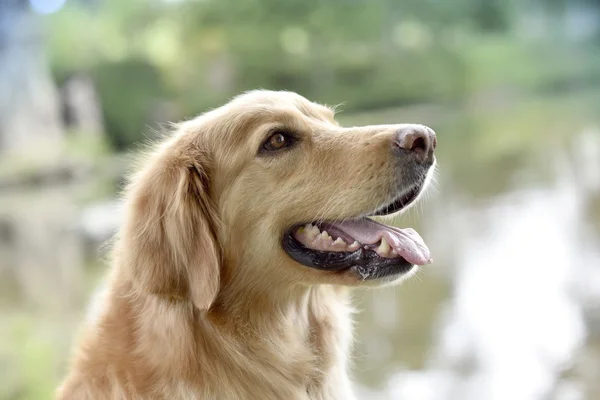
(154, 60)
(32, 376)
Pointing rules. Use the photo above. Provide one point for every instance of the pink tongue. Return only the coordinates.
(407, 242)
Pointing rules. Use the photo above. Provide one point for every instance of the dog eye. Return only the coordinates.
(277, 141)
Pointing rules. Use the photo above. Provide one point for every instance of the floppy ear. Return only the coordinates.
(169, 243)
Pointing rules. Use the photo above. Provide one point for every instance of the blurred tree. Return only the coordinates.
(29, 108)
(491, 15)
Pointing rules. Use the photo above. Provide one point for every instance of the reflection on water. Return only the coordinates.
(515, 287)
(510, 309)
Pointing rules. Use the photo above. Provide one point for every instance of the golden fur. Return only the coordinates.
(203, 303)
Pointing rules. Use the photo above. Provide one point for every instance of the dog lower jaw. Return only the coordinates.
(385, 273)
(391, 279)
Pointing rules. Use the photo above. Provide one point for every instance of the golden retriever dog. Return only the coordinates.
(244, 232)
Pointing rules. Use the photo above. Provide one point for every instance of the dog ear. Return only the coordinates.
(169, 242)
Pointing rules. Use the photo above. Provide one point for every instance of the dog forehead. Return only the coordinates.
(232, 126)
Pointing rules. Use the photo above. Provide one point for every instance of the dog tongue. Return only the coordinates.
(407, 242)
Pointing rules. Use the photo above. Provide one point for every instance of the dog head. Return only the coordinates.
(270, 191)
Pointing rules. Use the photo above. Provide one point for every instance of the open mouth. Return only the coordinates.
(369, 249)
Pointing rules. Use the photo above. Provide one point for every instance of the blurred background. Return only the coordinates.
(511, 307)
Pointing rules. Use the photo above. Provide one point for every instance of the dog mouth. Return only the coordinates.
(367, 248)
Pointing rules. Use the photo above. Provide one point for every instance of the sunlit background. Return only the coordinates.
(510, 309)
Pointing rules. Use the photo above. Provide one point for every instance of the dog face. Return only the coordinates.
(269, 190)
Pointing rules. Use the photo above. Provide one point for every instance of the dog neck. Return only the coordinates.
(301, 337)
(303, 332)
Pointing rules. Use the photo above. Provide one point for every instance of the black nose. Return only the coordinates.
(419, 140)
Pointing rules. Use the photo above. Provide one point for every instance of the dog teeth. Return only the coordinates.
(354, 246)
(325, 235)
(311, 231)
(338, 245)
(384, 248)
(339, 241)
(323, 241)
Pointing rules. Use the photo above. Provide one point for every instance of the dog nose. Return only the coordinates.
(419, 140)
